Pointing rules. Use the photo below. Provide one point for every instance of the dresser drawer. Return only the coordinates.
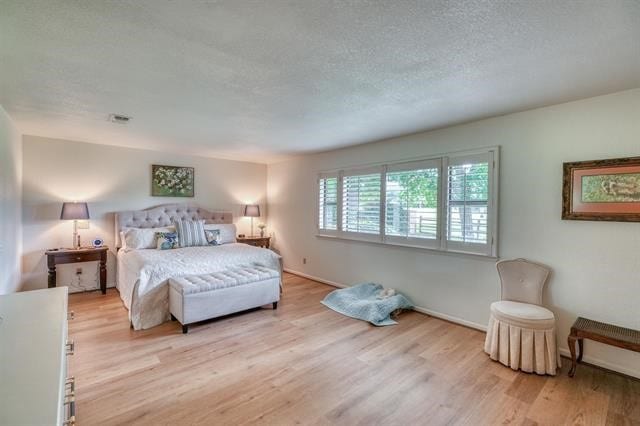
(71, 257)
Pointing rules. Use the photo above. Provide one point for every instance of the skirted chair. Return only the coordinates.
(522, 333)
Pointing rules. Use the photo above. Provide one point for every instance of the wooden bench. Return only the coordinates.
(609, 334)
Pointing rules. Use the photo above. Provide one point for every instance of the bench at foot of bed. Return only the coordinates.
(194, 298)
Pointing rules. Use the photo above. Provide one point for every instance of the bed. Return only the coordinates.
(142, 275)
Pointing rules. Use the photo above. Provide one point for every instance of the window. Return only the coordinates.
(361, 196)
(468, 200)
(328, 203)
(411, 203)
(445, 203)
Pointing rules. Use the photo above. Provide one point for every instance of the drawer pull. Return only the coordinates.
(78, 258)
(71, 402)
(71, 315)
(71, 347)
(70, 386)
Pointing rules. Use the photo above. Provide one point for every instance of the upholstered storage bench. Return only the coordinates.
(194, 298)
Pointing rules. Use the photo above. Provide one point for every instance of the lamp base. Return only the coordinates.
(76, 236)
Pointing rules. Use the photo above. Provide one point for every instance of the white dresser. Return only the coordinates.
(34, 388)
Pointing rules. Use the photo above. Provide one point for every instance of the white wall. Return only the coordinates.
(112, 179)
(596, 264)
(10, 187)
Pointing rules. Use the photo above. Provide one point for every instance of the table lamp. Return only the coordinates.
(75, 211)
(252, 210)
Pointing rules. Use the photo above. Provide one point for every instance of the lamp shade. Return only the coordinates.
(252, 210)
(74, 211)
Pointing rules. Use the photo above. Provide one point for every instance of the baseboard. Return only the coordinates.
(564, 352)
(311, 277)
(597, 362)
(420, 309)
(451, 318)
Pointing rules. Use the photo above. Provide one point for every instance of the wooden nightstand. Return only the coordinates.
(256, 241)
(85, 254)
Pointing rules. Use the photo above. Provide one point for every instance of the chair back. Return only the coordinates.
(522, 280)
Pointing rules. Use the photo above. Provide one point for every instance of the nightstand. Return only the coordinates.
(85, 254)
(255, 241)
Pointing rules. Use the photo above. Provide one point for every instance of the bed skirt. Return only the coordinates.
(531, 350)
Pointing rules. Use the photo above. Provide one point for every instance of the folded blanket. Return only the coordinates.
(360, 302)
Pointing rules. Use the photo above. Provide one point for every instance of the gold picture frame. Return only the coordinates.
(598, 190)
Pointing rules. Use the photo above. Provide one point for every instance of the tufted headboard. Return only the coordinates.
(163, 215)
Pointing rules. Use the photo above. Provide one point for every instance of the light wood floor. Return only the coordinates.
(304, 364)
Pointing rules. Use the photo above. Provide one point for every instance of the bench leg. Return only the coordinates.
(173, 318)
(185, 329)
(571, 340)
(275, 305)
(581, 348)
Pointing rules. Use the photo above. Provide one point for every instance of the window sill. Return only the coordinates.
(411, 247)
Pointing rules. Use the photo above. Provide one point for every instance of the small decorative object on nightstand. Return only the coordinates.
(84, 254)
(255, 241)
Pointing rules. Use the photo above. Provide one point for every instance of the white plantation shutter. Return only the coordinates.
(412, 204)
(446, 203)
(361, 198)
(328, 202)
(468, 203)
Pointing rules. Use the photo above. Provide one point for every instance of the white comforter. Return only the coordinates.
(143, 274)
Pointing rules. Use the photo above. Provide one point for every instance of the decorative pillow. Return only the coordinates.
(167, 240)
(142, 238)
(191, 233)
(213, 236)
(123, 241)
(227, 232)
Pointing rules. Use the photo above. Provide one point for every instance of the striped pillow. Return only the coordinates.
(191, 233)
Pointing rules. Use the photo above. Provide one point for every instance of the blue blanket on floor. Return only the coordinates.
(360, 302)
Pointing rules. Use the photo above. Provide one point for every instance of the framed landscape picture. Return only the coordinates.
(602, 190)
(172, 181)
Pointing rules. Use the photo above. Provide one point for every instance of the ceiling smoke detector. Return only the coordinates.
(119, 118)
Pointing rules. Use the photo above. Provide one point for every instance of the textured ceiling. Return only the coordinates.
(263, 80)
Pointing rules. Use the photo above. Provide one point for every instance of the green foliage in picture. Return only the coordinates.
(617, 188)
(171, 181)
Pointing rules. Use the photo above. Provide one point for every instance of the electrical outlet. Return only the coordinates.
(304, 260)
(78, 271)
(83, 224)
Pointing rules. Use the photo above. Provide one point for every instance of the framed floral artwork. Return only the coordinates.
(172, 181)
(602, 190)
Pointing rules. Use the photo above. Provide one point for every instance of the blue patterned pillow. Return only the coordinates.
(167, 240)
(213, 236)
(191, 233)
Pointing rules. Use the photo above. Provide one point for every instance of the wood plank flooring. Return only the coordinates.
(305, 364)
